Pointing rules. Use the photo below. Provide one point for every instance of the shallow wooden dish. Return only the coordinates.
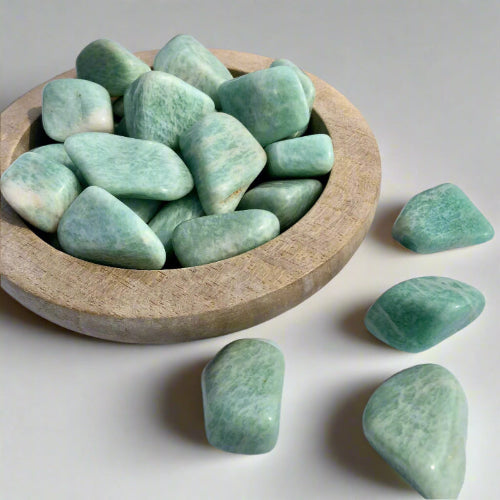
(184, 304)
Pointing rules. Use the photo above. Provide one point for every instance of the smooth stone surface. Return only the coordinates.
(145, 209)
(160, 107)
(289, 200)
(109, 64)
(224, 159)
(130, 167)
(242, 389)
(39, 190)
(216, 237)
(417, 422)
(121, 128)
(417, 314)
(56, 152)
(270, 103)
(119, 107)
(441, 218)
(186, 58)
(100, 228)
(70, 106)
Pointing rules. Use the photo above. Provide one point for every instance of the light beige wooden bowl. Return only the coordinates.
(175, 305)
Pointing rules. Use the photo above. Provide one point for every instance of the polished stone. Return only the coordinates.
(56, 152)
(119, 108)
(417, 422)
(242, 388)
(145, 209)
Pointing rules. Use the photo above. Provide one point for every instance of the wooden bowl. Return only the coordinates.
(174, 305)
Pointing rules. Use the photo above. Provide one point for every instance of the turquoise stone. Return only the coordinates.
(119, 107)
(70, 106)
(39, 190)
(186, 58)
(145, 209)
(441, 218)
(160, 107)
(216, 237)
(224, 159)
(100, 228)
(419, 313)
(121, 128)
(242, 389)
(109, 64)
(270, 103)
(307, 156)
(57, 153)
(171, 215)
(130, 167)
(289, 200)
(417, 422)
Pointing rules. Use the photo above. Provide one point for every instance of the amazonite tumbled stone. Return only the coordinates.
(109, 64)
(224, 159)
(186, 58)
(242, 388)
(100, 228)
(417, 422)
(289, 200)
(160, 107)
(216, 237)
(129, 167)
(270, 103)
(441, 218)
(39, 190)
(70, 106)
(145, 209)
(417, 314)
(57, 153)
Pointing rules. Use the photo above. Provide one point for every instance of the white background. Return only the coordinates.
(88, 419)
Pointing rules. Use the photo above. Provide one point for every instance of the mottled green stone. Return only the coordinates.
(289, 200)
(242, 389)
(145, 209)
(160, 107)
(270, 103)
(417, 422)
(39, 189)
(70, 106)
(186, 58)
(57, 153)
(224, 159)
(119, 107)
(129, 167)
(121, 128)
(441, 218)
(100, 228)
(417, 314)
(109, 64)
(216, 237)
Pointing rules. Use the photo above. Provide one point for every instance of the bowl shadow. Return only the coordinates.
(381, 229)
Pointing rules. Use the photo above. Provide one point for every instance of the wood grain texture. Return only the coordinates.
(175, 305)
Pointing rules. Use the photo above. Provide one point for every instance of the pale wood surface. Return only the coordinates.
(185, 304)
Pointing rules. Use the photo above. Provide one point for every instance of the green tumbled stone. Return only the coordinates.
(119, 108)
(224, 159)
(441, 218)
(100, 228)
(288, 200)
(70, 106)
(39, 190)
(417, 314)
(216, 237)
(109, 64)
(270, 103)
(417, 422)
(160, 107)
(242, 389)
(57, 153)
(145, 209)
(130, 167)
(186, 58)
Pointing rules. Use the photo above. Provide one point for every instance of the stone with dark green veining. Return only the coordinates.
(145, 209)
(270, 103)
(417, 314)
(224, 159)
(129, 167)
(121, 128)
(100, 228)
(160, 107)
(417, 422)
(186, 58)
(441, 218)
(39, 189)
(289, 200)
(57, 153)
(109, 64)
(118, 107)
(216, 237)
(242, 389)
(71, 105)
